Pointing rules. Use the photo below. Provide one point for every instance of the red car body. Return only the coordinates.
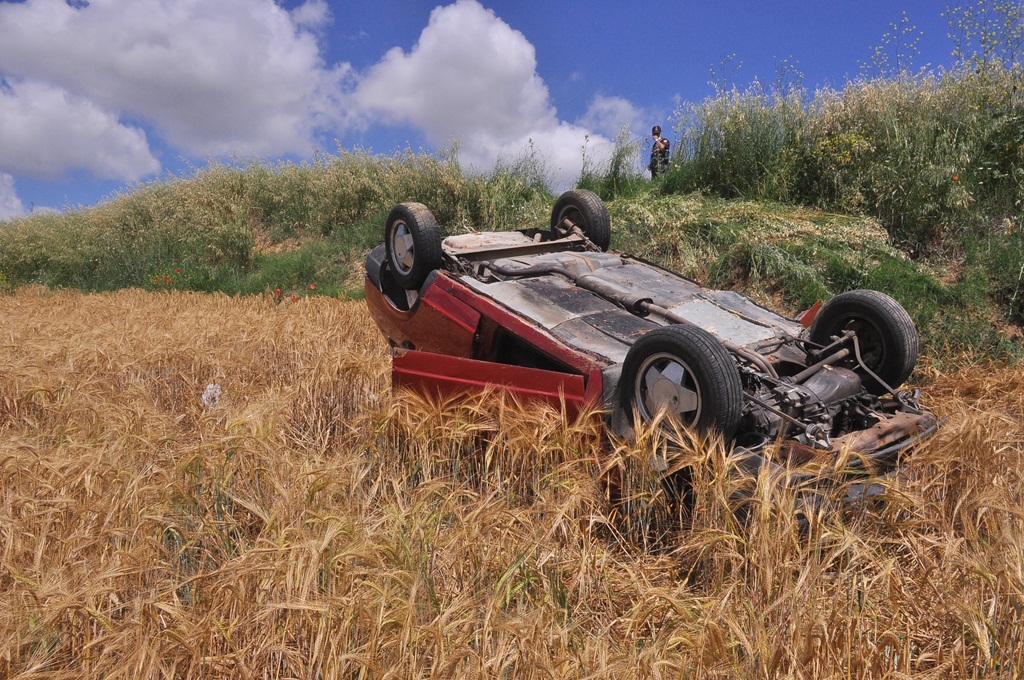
(451, 338)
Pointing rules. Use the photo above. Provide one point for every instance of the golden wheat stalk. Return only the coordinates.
(302, 521)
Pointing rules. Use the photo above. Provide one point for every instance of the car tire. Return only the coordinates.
(687, 371)
(586, 210)
(412, 240)
(885, 334)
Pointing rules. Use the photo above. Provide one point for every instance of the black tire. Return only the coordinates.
(687, 371)
(885, 333)
(586, 210)
(412, 240)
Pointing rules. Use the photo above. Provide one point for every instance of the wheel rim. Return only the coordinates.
(666, 383)
(403, 248)
(869, 340)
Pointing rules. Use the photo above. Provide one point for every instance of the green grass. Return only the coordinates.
(244, 230)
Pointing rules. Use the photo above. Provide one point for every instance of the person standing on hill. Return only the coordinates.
(659, 152)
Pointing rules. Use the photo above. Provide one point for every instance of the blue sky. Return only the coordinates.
(97, 95)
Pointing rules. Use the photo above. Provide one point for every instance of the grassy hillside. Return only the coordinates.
(306, 524)
(292, 231)
(788, 257)
(254, 229)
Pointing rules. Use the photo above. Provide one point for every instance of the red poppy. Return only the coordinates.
(956, 178)
(312, 286)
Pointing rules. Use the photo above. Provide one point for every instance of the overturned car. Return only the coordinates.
(553, 314)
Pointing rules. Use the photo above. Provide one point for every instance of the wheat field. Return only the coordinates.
(201, 486)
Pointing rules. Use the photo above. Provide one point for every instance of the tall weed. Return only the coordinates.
(932, 156)
(739, 143)
(618, 175)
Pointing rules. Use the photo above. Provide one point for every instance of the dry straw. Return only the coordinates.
(307, 523)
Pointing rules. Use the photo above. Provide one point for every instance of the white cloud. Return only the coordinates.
(232, 76)
(247, 77)
(314, 14)
(469, 71)
(473, 78)
(45, 130)
(608, 115)
(10, 204)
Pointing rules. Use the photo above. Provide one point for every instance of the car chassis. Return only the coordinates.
(555, 315)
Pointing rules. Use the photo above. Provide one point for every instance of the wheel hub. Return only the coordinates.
(403, 247)
(666, 386)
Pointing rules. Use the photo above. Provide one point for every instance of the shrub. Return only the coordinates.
(618, 176)
(931, 156)
(737, 144)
